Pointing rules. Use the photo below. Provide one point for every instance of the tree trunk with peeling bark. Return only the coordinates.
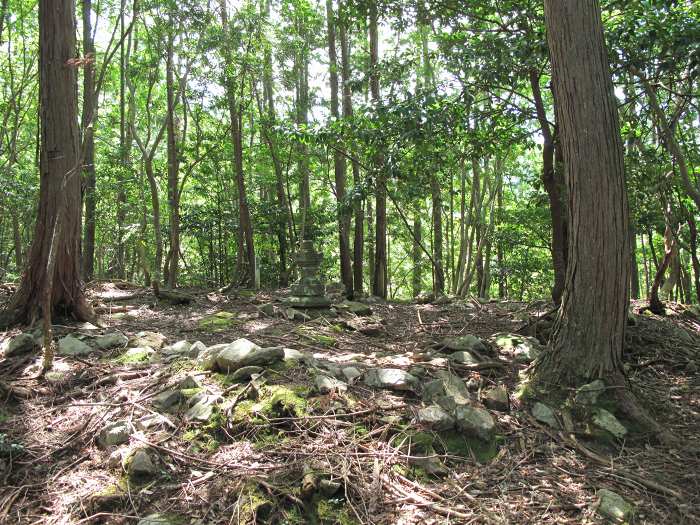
(60, 184)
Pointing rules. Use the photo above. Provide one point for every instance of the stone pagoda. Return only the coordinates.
(309, 291)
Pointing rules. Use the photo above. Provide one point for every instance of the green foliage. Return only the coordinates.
(455, 88)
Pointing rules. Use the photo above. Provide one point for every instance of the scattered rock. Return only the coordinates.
(496, 398)
(218, 321)
(612, 506)
(588, 394)
(168, 399)
(20, 344)
(326, 385)
(268, 309)
(197, 348)
(116, 458)
(139, 464)
(476, 421)
(544, 414)
(608, 422)
(465, 343)
(180, 348)
(136, 355)
(151, 421)
(116, 433)
(464, 358)
(150, 339)
(447, 390)
(206, 359)
(114, 340)
(245, 373)
(354, 307)
(203, 409)
(435, 418)
(187, 382)
(519, 348)
(242, 353)
(328, 487)
(350, 373)
(439, 362)
(293, 355)
(293, 313)
(418, 371)
(71, 345)
(391, 378)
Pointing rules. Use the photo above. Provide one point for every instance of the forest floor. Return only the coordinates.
(339, 457)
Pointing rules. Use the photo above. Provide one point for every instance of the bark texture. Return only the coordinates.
(88, 128)
(379, 283)
(589, 331)
(60, 184)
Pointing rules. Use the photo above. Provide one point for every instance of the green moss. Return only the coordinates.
(313, 334)
(218, 321)
(253, 505)
(269, 439)
(223, 379)
(206, 438)
(451, 443)
(274, 401)
(189, 392)
(334, 511)
(202, 440)
(134, 356)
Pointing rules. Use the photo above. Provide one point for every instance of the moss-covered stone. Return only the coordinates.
(274, 401)
(218, 321)
(135, 356)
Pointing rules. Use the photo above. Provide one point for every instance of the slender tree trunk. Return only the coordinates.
(359, 230)
(379, 284)
(302, 108)
(127, 117)
(246, 226)
(589, 331)
(673, 266)
(500, 252)
(694, 254)
(634, 273)
(88, 127)
(436, 196)
(339, 162)
(655, 304)
(53, 271)
(155, 204)
(646, 268)
(281, 212)
(173, 168)
(417, 254)
(553, 187)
